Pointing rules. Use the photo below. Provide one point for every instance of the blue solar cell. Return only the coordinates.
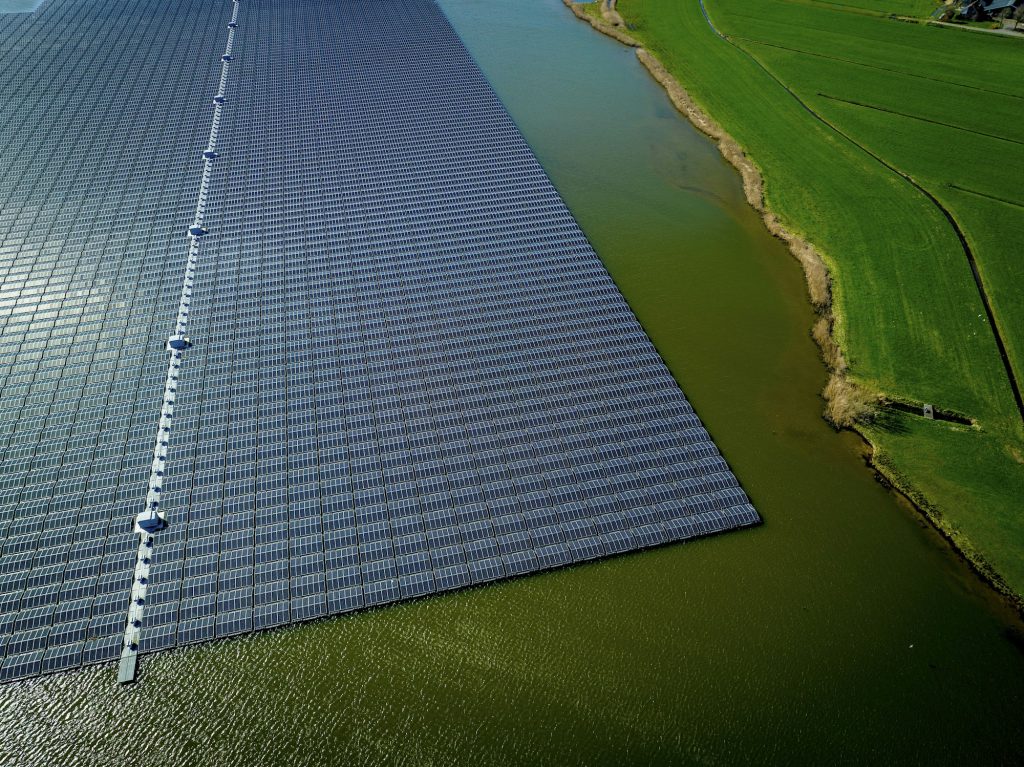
(382, 591)
(519, 562)
(417, 584)
(160, 636)
(65, 656)
(196, 630)
(308, 607)
(345, 600)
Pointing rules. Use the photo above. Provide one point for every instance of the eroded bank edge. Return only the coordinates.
(847, 402)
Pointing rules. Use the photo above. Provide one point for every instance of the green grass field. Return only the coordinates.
(823, 96)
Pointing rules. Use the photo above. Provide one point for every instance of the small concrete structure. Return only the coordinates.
(179, 343)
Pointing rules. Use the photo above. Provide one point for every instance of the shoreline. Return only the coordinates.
(846, 402)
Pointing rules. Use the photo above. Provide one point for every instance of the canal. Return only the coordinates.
(841, 631)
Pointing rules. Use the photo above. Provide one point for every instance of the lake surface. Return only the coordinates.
(842, 631)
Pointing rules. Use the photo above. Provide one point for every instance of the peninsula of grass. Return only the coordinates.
(897, 150)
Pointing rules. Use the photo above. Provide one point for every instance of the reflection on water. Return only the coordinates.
(840, 631)
(19, 6)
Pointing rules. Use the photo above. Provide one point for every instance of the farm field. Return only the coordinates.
(878, 140)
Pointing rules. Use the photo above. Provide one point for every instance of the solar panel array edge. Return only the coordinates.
(410, 371)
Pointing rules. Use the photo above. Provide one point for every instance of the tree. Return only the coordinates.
(949, 13)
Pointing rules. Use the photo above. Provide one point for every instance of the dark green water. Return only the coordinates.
(839, 632)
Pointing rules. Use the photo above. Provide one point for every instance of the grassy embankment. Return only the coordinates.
(823, 96)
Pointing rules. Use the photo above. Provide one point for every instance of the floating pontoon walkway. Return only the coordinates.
(405, 369)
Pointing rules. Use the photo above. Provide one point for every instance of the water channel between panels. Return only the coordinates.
(406, 370)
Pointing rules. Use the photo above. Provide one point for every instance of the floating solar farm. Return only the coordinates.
(295, 324)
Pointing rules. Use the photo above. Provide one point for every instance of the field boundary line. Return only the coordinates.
(968, 253)
(875, 66)
(986, 196)
(915, 117)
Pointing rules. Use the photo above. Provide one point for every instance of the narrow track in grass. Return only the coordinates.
(976, 193)
(852, 8)
(886, 110)
(888, 70)
(968, 253)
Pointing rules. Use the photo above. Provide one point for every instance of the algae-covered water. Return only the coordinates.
(841, 631)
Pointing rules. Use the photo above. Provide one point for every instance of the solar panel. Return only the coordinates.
(406, 369)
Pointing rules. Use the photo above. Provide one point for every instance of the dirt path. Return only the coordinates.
(1003, 31)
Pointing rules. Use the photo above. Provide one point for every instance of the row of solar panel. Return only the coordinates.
(363, 492)
(428, 454)
(646, 449)
(308, 604)
(461, 478)
(426, 477)
(463, 505)
(412, 386)
(205, 575)
(555, 464)
(431, 410)
(198, 594)
(461, 500)
(297, 522)
(359, 493)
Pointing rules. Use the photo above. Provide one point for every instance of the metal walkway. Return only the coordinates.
(152, 518)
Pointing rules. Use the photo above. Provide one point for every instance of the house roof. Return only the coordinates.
(998, 5)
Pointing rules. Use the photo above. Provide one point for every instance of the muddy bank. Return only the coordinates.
(848, 404)
(610, 23)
